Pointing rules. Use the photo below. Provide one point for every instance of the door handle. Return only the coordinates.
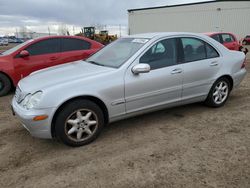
(214, 63)
(53, 58)
(176, 71)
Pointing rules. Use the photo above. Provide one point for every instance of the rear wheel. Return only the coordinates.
(5, 85)
(219, 93)
(79, 123)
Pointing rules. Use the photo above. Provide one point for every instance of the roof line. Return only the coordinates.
(186, 4)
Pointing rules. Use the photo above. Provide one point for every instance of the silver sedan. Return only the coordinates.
(131, 76)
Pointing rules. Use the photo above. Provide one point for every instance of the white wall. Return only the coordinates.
(232, 17)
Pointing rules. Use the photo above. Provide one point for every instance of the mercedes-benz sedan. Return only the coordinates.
(131, 76)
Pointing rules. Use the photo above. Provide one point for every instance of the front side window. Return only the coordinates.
(70, 44)
(162, 54)
(194, 49)
(48, 46)
(226, 38)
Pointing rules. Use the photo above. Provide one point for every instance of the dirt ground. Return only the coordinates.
(189, 146)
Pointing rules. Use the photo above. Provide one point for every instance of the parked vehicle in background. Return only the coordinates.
(131, 76)
(1, 42)
(103, 37)
(229, 40)
(40, 53)
(4, 42)
(246, 40)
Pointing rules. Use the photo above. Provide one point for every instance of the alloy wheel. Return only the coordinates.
(220, 92)
(81, 125)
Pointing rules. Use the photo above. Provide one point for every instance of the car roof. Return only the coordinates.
(214, 33)
(66, 36)
(57, 36)
(162, 34)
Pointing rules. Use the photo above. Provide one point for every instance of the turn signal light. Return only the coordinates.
(40, 118)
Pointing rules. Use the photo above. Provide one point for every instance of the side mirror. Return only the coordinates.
(24, 53)
(141, 68)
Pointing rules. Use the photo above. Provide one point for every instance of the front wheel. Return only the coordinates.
(5, 85)
(79, 123)
(219, 93)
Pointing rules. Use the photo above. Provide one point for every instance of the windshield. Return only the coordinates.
(118, 52)
(8, 52)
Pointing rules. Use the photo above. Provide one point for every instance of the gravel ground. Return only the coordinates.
(189, 146)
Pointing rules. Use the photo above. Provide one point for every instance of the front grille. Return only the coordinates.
(18, 95)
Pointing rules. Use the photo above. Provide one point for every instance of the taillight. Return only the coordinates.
(244, 63)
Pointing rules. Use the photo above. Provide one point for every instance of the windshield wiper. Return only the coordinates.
(96, 63)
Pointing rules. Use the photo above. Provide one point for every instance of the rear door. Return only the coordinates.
(43, 54)
(74, 49)
(201, 63)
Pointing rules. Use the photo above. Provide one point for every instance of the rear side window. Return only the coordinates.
(211, 52)
(162, 54)
(69, 44)
(227, 38)
(216, 37)
(48, 46)
(194, 49)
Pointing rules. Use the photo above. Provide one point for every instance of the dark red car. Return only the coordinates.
(40, 53)
(229, 40)
(246, 40)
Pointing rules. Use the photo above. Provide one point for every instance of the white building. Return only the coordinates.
(222, 16)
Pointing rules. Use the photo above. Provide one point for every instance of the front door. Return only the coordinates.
(43, 54)
(162, 85)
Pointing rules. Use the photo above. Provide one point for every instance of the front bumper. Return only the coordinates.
(39, 129)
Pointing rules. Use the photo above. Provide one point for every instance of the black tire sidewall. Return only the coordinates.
(65, 113)
(210, 101)
(6, 85)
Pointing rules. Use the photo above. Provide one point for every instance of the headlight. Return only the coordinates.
(31, 100)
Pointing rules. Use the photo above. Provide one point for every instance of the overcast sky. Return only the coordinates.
(39, 14)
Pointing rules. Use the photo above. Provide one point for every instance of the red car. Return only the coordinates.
(229, 40)
(40, 53)
(246, 40)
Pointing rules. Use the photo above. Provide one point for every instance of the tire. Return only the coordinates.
(219, 93)
(72, 130)
(5, 85)
(244, 42)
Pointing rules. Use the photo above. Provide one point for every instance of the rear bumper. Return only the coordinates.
(238, 77)
(39, 129)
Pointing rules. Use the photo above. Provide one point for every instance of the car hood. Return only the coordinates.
(61, 74)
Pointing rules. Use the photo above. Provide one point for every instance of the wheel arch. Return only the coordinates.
(230, 79)
(96, 100)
